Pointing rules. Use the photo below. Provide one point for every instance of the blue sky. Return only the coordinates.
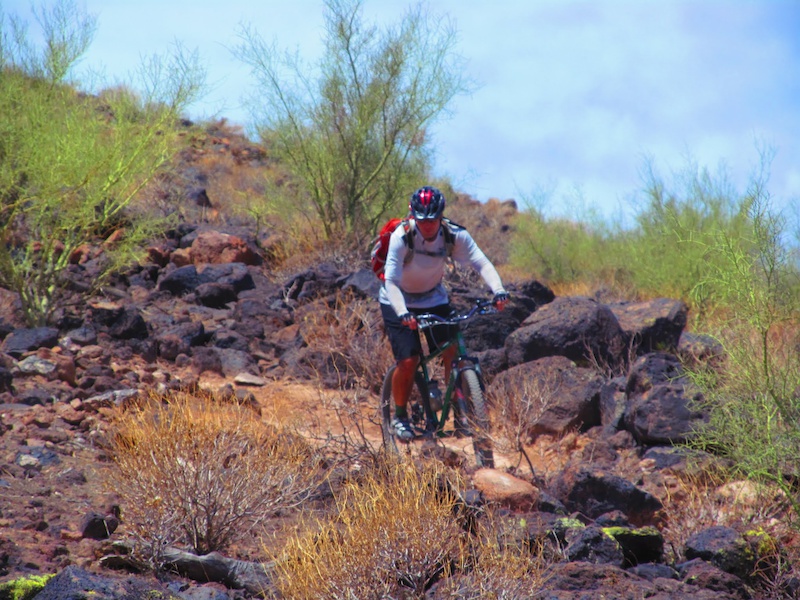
(573, 94)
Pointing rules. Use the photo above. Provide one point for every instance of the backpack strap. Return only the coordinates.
(408, 239)
(449, 232)
(449, 229)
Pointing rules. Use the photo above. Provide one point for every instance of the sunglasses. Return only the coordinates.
(423, 217)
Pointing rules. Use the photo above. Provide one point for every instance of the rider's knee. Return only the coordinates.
(408, 365)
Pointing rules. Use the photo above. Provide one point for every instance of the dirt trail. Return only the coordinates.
(323, 413)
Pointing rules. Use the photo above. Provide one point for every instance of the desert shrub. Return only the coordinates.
(564, 252)
(496, 569)
(752, 397)
(519, 402)
(395, 532)
(192, 470)
(351, 335)
(352, 127)
(666, 251)
(679, 222)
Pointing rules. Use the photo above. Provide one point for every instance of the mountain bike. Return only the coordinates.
(429, 408)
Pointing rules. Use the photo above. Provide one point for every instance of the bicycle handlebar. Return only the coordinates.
(482, 307)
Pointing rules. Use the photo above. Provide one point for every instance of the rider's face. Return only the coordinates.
(429, 227)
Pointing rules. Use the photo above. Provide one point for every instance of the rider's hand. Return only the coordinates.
(500, 300)
(409, 320)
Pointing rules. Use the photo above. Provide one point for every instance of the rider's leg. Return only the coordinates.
(402, 383)
(406, 348)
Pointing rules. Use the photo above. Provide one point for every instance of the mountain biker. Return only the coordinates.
(415, 286)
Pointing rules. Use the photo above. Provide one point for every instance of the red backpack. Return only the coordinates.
(380, 245)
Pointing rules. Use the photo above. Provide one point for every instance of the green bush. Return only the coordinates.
(670, 250)
(753, 397)
(353, 130)
(72, 166)
(565, 253)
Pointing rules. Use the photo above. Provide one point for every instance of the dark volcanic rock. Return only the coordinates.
(20, 341)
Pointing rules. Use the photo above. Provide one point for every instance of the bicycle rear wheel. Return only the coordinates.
(387, 411)
(472, 404)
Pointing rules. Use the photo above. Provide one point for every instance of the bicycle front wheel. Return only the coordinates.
(474, 407)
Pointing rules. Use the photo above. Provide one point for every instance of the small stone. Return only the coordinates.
(249, 379)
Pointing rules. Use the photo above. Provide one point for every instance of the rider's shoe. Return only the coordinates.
(401, 429)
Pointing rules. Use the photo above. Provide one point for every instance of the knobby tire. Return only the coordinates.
(389, 443)
(477, 417)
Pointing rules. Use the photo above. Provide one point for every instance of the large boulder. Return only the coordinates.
(184, 280)
(506, 490)
(565, 395)
(73, 583)
(593, 545)
(664, 415)
(581, 329)
(180, 338)
(725, 548)
(654, 369)
(652, 325)
(20, 341)
(489, 332)
(216, 247)
(323, 280)
(594, 492)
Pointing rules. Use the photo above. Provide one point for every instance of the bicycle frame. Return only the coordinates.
(464, 393)
(461, 362)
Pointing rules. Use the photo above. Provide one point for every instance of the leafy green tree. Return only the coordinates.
(354, 136)
(72, 165)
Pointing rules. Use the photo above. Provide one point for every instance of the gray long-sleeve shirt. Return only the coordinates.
(418, 284)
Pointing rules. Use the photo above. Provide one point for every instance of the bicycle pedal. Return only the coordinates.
(404, 441)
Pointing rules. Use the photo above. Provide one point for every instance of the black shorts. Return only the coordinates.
(405, 341)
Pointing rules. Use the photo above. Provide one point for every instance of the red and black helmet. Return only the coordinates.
(427, 203)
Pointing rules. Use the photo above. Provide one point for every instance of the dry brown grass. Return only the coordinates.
(197, 472)
(518, 403)
(496, 569)
(351, 334)
(395, 532)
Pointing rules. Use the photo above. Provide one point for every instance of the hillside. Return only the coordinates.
(588, 394)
